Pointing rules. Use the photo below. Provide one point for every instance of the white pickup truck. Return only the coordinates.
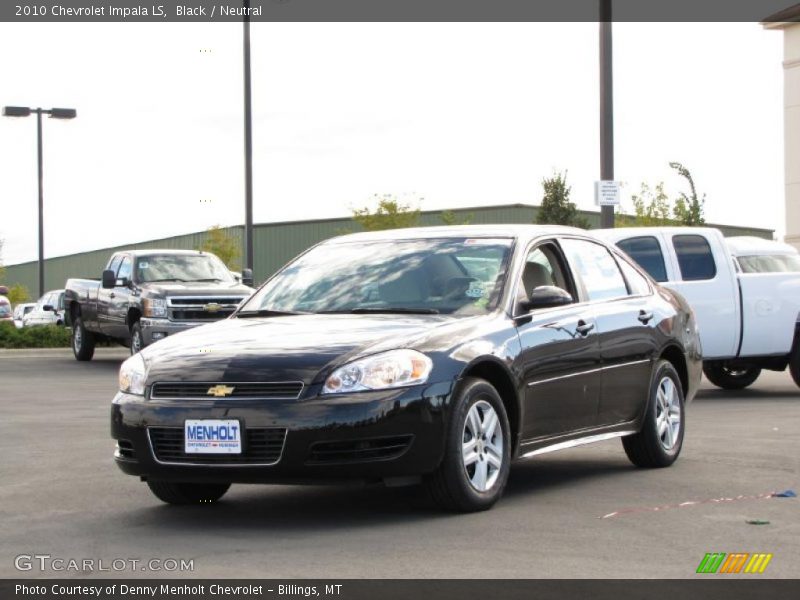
(748, 321)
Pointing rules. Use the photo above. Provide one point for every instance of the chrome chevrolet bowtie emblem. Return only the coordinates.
(212, 307)
(220, 391)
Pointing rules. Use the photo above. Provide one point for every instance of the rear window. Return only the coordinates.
(646, 251)
(694, 257)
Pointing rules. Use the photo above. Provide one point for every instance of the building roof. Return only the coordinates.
(783, 18)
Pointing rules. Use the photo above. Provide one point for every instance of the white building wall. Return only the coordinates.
(791, 66)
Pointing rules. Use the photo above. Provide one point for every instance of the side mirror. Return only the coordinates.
(109, 279)
(48, 308)
(547, 296)
(247, 277)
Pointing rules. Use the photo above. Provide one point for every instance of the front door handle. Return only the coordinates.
(584, 328)
(645, 316)
(112, 295)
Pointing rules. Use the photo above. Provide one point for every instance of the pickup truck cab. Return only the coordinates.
(748, 321)
(48, 310)
(147, 295)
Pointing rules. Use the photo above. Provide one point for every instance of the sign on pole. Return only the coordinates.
(606, 193)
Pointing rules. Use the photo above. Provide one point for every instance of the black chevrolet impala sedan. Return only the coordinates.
(434, 355)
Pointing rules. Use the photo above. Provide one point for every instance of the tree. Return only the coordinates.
(18, 293)
(688, 209)
(2, 268)
(389, 214)
(448, 217)
(651, 209)
(227, 247)
(556, 207)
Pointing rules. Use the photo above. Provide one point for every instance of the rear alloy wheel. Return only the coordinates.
(188, 493)
(659, 442)
(82, 341)
(730, 378)
(137, 341)
(474, 470)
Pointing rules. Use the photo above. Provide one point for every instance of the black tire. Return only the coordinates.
(83, 341)
(794, 365)
(137, 341)
(729, 378)
(188, 493)
(647, 448)
(450, 485)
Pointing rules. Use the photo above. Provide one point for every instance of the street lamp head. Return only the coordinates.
(16, 111)
(63, 113)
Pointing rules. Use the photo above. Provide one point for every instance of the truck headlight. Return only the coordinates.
(132, 375)
(396, 368)
(155, 307)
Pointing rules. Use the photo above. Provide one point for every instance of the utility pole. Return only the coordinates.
(248, 145)
(606, 108)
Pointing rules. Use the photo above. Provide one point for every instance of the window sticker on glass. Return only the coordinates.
(143, 265)
(476, 290)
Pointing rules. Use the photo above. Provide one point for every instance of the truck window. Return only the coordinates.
(113, 265)
(125, 268)
(646, 251)
(694, 257)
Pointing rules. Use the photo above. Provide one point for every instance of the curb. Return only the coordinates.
(59, 352)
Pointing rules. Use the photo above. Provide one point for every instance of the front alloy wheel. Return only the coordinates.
(477, 456)
(137, 341)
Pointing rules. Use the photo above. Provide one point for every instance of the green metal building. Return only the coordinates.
(277, 243)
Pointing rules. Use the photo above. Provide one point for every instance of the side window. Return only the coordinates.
(125, 268)
(637, 283)
(694, 257)
(598, 270)
(646, 251)
(543, 267)
(114, 264)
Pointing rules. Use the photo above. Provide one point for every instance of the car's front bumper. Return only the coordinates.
(157, 329)
(348, 422)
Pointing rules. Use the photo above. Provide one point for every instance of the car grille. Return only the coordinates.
(285, 390)
(261, 446)
(359, 450)
(202, 308)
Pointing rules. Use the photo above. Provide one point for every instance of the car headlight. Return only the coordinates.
(155, 307)
(397, 368)
(132, 375)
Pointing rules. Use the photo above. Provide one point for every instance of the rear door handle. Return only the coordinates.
(584, 328)
(645, 316)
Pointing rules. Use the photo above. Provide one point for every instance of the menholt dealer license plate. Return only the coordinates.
(212, 436)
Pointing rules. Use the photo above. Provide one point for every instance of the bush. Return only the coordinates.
(45, 336)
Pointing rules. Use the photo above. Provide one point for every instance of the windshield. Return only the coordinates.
(5, 309)
(451, 276)
(181, 267)
(770, 263)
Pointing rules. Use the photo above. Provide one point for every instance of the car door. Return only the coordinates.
(626, 316)
(118, 300)
(104, 298)
(559, 351)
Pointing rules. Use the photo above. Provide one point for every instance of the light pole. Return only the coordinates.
(248, 144)
(55, 113)
(606, 108)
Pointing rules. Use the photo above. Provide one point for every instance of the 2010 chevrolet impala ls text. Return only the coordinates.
(433, 355)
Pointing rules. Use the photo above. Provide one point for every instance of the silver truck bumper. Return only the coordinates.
(157, 329)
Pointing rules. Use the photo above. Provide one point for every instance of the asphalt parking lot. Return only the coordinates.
(62, 495)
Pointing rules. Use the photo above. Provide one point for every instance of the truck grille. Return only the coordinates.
(204, 308)
(261, 446)
(285, 390)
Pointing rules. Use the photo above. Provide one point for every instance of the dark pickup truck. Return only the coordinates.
(147, 295)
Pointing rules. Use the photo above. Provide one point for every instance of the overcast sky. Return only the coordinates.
(445, 114)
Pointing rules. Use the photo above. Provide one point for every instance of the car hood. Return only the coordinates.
(286, 348)
(195, 288)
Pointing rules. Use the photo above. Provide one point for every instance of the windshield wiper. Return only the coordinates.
(365, 310)
(266, 312)
(166, 279)
(209, 279)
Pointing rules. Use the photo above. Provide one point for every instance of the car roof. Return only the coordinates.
(153, 251)
(515, 231)
(744, 245)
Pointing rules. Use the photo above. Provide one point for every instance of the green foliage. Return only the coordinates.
(45, 336)
(218, 241)
(448, 217)
(2, 268)
(18, 293)
(688, 209)
(556, 208)
(389, 214)
(651, 209)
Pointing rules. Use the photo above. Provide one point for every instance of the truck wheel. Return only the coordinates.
(137, 341)
(659, 442)
(82, 340)
(729, 378)
(188, 493)
(794, 365)
(477, 456)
